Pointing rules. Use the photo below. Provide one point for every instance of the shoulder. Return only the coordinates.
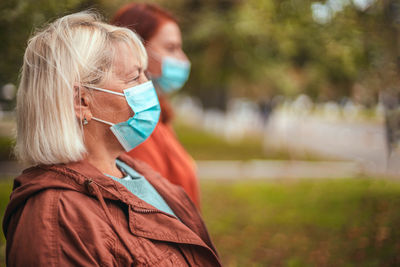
(78, 210)
(56, 226)
(32, 230)
(44, 211)
(63, 209)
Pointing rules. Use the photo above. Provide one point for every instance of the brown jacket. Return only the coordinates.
(73, 215)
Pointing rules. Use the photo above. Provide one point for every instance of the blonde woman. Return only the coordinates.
(82, 102)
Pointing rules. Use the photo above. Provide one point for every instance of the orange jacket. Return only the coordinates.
(163, 152)
(73, 215)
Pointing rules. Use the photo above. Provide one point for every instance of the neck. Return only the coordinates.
(103, 149)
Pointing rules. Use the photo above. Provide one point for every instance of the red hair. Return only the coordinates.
(144, 19)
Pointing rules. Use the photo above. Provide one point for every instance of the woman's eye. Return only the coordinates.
(136, 78)
(170, 48)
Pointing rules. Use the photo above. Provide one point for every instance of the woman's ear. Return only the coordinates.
(82, 104)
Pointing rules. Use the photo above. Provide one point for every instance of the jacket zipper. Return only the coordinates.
(135, 208)
(144, 210)
(89, 183)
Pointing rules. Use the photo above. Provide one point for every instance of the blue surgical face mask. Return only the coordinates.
(174, 74)
(144, 103)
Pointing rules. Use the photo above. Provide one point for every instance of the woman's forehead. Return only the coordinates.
(169, 32)
(126, 61)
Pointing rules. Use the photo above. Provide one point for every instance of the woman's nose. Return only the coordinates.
(143, 78)
(182, 55)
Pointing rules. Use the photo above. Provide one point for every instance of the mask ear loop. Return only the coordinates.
(106, 122)
(84, 121)
(106, 91)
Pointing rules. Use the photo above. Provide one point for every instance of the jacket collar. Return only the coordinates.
(179, 202)
(189, 229)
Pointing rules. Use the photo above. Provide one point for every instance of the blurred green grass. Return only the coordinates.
(345, 222)
(206, 146)
(5, 190)
(6, 146)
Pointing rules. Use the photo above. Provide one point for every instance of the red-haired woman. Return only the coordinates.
(169, 69)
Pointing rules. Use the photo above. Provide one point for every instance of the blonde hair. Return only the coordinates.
(75, 49)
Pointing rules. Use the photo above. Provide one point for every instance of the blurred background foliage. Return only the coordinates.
(330, 50)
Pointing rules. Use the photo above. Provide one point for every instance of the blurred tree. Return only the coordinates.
(260, 48)
(254, 48)
(18, 19)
